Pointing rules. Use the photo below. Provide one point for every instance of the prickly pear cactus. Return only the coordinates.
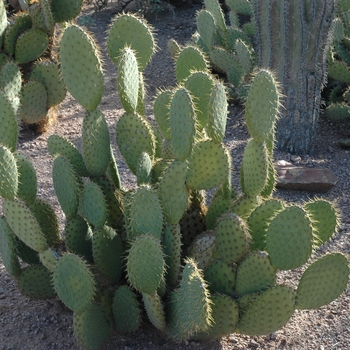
(198, 270)
(30, 77)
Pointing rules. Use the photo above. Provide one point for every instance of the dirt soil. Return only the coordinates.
(47, 325)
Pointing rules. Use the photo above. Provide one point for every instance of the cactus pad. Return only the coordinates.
(8, 173)
(36, 282)
(255, 274)
(8, 248)
(96, 142)
(130, 125)
(289, 238)
(323, 281)
(73, 282)
(107, 251)
(189, 60)
(145, 264)
(274, 307)
(84, 81)
(130, 30)
(91, 327)
(8, 121)
(154, 309)
(27, 180)
(65, 10)
(232, 238)
(208, 165)
(67, 186)
(255, 167)
(325, 219)
(182, 123)
(161, 112)
(126, 310)
(206, 28)
(172, 192)
(94, 205)
(60, 146)
(31, 45)
(10, 80)
(77, 236)
(19, 25)
(128, 80)
(48, 74)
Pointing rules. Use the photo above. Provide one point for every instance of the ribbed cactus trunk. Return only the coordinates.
(292, 40)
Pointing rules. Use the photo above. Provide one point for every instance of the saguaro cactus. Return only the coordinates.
(292, 40)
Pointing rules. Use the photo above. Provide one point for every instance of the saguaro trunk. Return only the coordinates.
(292, 40)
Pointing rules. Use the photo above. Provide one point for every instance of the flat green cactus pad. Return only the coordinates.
(214, 8)
(19, 25)
(91, 327)
(338, 70)
(73, 282)
(36, 282)
(47, 220)
(255, 274)
(145, 264)
(84, 81)
(96, 142)
(31, 45)
(189, 60)
(48, 74)
(259, 219)
(225, 316)
(94, 205)
(337, 111)
(206, 28)
(47, 15)
(232, 238)
(126, 310)
(65, 10)
(33, 102)
(208, 165)
(8, 122)
(217, 207)
(107, 250)
(77, 236)
(172, 191)
(217, 113)
(325, 219)
(200, 85)
(274, 307)
(67, 186)
(130, 127)
(10, 80)
(154, 309)
(8, 173)
(8, 249)
(262, 106)
(189, 306)
(128, 80)
(323, 281)
(162, 110)
(221, 277)
(243, 7)
(182, 123)
(132, 31)
(60, 146)
(255, 167)
(172, 251)
(289, 238)
(24, 224)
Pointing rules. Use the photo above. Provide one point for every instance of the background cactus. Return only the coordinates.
(30, 76)
(162, 264)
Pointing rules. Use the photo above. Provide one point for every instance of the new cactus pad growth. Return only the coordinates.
(196, 269)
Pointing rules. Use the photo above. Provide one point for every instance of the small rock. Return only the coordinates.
(295, 158)
(303, 178)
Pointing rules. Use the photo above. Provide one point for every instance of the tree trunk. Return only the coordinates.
(292, 40)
